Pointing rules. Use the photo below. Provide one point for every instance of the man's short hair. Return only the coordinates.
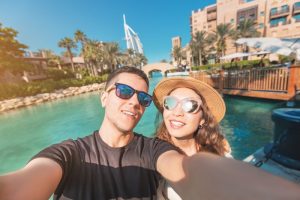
(126, 69)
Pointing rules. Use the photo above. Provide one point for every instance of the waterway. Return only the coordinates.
(24, 132)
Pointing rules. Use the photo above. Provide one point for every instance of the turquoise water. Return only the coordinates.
(24, 132)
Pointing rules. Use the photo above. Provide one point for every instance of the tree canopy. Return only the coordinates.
(11, 50)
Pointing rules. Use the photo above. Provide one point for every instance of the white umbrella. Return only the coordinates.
(234, 55)
(259, 53)
(273, 45)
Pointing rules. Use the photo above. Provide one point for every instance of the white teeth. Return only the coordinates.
(128, 113)
(176, 123)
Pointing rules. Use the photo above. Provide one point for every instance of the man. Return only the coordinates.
(115, 163)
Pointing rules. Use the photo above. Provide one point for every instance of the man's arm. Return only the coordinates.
(207, 176)
(36, 181)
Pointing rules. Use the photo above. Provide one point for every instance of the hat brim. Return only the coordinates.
(212, 98)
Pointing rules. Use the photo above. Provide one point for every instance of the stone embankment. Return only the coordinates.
(58, 94)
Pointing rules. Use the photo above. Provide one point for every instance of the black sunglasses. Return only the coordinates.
(124, 91)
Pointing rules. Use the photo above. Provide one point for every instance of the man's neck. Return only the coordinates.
(114, 137)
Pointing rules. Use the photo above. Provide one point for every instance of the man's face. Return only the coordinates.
(124, 114)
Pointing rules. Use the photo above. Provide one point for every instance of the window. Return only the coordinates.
(262, 13)
(275, 22)
(285, 8)
(273, 11)
(261, 25)
(252, 16)
(297, 6)
(297, 17)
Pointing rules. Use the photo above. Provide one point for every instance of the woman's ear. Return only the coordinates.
(202, 122)
(103, 98)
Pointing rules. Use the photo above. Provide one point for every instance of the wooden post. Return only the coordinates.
(221, 81)
(292, 81)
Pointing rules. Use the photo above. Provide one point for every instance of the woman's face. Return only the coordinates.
(181, 124)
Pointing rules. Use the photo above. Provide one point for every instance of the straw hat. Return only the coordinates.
(212, 98)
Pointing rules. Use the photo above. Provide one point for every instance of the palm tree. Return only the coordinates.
(140, 60)
(79, 36)
(130, 56)
(246, 29)
(93, 56)
(111, 51)
(69, 44)
(194, 52)
(177, 54)
(223, 32)
(199, 40)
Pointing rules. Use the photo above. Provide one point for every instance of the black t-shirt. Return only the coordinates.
(94, 170)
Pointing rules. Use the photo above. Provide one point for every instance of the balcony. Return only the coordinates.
(211, 9)
(282, 23)
(296, 9)
(273, 25)
(249, 13)
(211, 17)
(279, 13)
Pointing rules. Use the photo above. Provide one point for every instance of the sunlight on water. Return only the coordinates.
(26, 131)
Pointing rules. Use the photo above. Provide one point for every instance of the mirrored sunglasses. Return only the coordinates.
(124, 91)
(188, 105)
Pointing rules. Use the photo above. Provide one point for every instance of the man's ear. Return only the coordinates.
(103, 98)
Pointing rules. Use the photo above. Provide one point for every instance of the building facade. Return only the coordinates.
(273, 18)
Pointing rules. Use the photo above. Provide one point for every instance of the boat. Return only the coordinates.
(281, 157)
(185, 73)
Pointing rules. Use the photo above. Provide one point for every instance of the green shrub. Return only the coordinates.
(57, 74)
(9, 91)
(243, 64)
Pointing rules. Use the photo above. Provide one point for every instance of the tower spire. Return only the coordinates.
(132, 40)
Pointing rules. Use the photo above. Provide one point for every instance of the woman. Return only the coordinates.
(191, 112)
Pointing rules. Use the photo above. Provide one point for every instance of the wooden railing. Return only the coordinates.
(282, 80)
(257, 79)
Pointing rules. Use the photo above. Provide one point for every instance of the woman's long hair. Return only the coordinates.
(208, 137)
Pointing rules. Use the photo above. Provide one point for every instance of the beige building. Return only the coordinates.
(176, 42)
(273, 18)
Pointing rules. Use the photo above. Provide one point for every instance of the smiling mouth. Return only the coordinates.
(128, 113)
(176, 124)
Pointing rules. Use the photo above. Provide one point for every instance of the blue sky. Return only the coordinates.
(41, 24)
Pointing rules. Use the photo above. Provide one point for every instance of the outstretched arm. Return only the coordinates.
(36, 181)
(207, 176)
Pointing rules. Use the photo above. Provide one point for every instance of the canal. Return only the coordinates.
(24, 132)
